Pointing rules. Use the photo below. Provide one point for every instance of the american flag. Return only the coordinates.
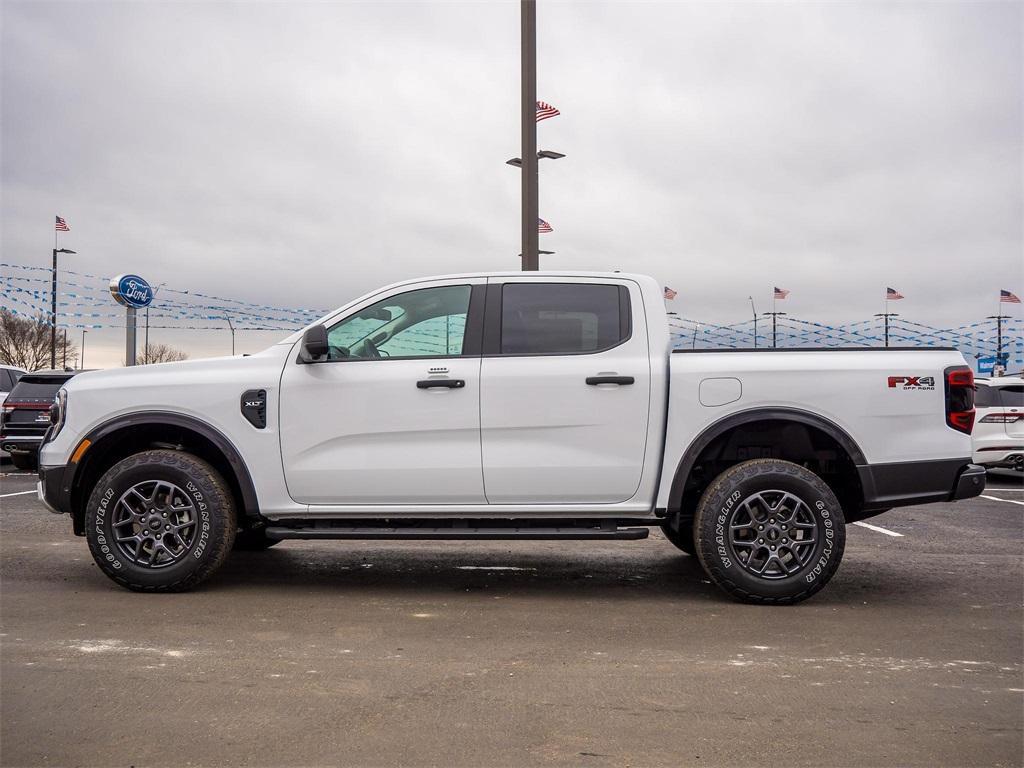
(669, 293)
(545, 110)
(62, 226)
(781, 293)
(1005, 297)
(891, 294)
(543, 226)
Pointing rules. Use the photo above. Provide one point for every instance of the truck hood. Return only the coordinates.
(187, 372)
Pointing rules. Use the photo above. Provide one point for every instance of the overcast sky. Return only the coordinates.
(302, 154)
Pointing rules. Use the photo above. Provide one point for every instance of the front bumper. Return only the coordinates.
(902, 484)
(54, 489)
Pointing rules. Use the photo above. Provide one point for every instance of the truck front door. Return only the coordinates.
(393, 415)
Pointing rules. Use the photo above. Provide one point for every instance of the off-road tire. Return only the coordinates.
(216, 520)
(26, 462)
(253, 540)
(721, 506)
(682, 536)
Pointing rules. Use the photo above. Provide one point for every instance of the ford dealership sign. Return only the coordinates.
(131, 290)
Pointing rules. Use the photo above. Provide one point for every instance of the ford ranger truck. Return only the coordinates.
(539, 405)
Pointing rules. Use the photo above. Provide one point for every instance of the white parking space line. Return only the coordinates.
(879, 529)
(1008, 501)
(19, 493)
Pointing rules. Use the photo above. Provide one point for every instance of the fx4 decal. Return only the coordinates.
(911, 382)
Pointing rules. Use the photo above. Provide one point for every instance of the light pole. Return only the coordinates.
(887, 315)
(528, 130)
(774, 336)
(232, 327)
(754, 311)
(146, 345)
(53, 307)
(64, 349)
(544, 154)
(999, 335)
(83, 348)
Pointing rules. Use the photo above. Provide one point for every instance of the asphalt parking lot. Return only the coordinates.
(509, 653)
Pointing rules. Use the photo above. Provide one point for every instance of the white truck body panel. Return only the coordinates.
(526, 436)
(848, 388)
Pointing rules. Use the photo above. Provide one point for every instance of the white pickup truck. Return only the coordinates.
(542, 405)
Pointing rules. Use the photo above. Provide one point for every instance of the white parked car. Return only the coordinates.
(998, 435)
(522, 405)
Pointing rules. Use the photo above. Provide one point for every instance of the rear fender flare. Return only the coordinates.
(720, 427)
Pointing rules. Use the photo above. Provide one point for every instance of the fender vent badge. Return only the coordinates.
(254, 407)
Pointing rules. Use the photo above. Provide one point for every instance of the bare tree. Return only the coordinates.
(161, 353)
(25, 342)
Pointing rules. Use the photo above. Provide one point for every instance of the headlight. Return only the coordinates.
(58, 414)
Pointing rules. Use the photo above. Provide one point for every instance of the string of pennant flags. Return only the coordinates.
(83, 301)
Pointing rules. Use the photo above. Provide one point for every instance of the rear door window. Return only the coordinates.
(562, 318)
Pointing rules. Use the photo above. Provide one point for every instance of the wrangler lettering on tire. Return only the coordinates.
(769, 531)
(160, 521)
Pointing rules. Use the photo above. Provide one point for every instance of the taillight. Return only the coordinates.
(960, 398)
(1001, 418)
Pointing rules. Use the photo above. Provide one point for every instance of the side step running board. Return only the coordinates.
(449, 532)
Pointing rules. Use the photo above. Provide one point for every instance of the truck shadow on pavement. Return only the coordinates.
(656, 573)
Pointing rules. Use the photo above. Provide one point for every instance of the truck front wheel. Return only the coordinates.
(769, 531)
(160, 521)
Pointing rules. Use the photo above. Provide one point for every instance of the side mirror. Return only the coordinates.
(314, 346)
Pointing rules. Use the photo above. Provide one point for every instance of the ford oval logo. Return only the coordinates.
(132, 291)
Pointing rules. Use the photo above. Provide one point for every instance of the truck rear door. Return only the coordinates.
(565, 391)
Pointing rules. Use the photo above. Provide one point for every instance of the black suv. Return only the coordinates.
(26, 415)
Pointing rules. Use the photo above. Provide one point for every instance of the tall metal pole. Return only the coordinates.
(146, 344)
(232, 327)
(887, 315)
(83, 348)
(753, 310)
(528, 117)
(53, 311)
(129, 340)
(774, 333)
(999, 335)
(64, 347)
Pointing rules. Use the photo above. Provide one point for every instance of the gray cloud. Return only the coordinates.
(299, 155)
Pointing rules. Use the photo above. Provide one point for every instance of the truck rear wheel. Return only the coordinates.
(769, 531)
(160, 521)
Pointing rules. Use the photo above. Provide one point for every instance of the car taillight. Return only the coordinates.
(960, 398)
(1001, 418)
